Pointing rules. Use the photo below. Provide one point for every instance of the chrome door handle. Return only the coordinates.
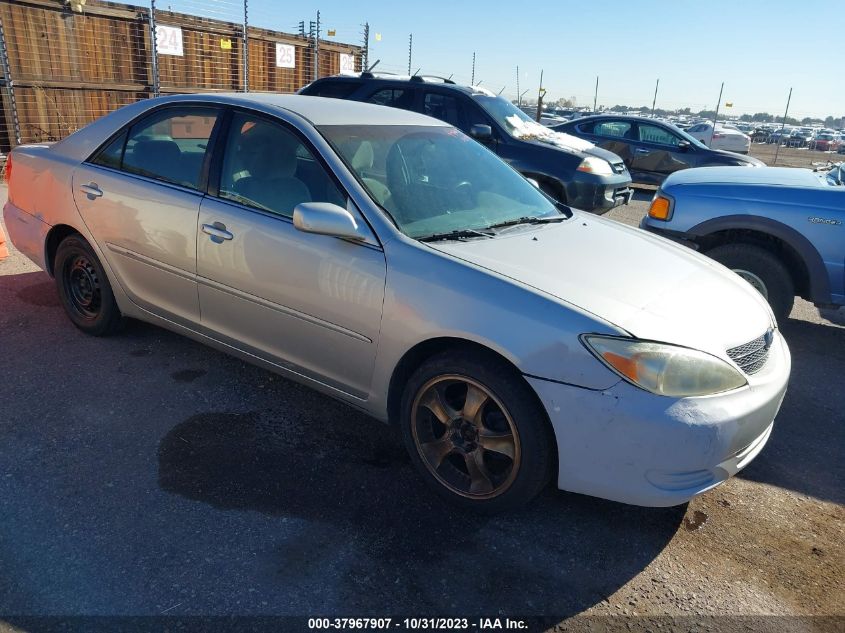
(217, 231)
(91, 190)
(641, 150)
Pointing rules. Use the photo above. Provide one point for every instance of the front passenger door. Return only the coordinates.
(308, 303)
(658, 153)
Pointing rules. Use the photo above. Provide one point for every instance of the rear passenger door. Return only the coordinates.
(140, 196)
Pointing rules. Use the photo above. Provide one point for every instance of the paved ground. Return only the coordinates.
(145, 474)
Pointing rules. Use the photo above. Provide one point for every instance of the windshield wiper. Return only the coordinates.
(528, 219)
(454, 235)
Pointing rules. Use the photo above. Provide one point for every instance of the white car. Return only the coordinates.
(725, 138)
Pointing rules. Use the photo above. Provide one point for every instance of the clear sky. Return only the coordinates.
(758, 48)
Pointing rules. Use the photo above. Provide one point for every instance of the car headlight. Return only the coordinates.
(666, 370)
(598, 166)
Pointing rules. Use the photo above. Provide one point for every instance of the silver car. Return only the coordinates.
(389, 261)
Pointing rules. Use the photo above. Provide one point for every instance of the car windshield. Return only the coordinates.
(435, 180)
(521, 126)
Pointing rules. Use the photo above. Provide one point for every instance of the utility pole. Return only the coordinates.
(716, 115)
(540, 94)
(654, 101)
(317, 48)
(365, 57)
(782, 125)
(246, 46)
(596, 96)
(472, 81)
(518, 94)
(410, 50)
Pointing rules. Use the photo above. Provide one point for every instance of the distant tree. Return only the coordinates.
(763, 117)
(619, 108)
(746, 117)
(707, 114)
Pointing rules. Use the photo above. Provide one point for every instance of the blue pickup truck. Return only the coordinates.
(781, 229)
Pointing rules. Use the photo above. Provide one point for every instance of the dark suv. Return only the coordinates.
(566, 168)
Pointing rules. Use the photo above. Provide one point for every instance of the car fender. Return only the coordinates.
(819, 280)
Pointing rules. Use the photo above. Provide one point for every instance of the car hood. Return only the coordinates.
(775, 176)
(645, 285)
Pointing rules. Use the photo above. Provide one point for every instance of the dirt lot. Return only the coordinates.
(145, 474)
(792, 156)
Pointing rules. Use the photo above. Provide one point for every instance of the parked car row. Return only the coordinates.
(387, 259)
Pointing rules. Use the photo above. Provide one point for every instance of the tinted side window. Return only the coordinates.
(613, 129)
(267, 167)
(170, 145)
(112, 154)
(443, 107)
(333, 89)
(393, 97)
(586, 128)
(654, 134)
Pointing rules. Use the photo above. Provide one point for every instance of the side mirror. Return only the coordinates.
(325, 218)
(481, 132)
(684, 146)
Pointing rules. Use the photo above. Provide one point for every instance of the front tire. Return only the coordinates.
(476, 432)
(84, 289)
(763, 270)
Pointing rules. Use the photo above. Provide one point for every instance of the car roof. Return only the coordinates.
(417, 80)
(621, 117)
(327, 111)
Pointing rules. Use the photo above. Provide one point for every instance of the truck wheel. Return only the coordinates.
(763, 270)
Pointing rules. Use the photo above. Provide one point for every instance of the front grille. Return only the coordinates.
(752, 356)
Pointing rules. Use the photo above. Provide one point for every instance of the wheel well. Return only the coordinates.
(421, 352)
(554, 184)
(54, 238)
(789, 256)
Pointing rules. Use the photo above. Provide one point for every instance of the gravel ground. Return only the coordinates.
(145, 474)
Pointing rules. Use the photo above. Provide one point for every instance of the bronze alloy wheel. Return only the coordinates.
(465, 436)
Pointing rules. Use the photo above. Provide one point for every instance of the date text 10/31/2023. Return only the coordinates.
(415, 624)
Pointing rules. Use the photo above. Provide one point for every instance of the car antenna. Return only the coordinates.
(416, 71)
(450, 76)
(370, 68)
(502, 90)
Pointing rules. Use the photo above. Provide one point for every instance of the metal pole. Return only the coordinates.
(410, 50)
(9, 84)
(365, 61)
(716, 115)
(782, 126)
(654, 102)
(154, 50)
(472, 81)
(317, 49)
(518, 93)
(596, 96)
(540, 99)
(246, 45)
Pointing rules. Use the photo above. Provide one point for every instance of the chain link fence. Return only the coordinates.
(64, 63)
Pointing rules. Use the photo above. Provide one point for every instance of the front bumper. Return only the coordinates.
(599, 194)
(628, 445)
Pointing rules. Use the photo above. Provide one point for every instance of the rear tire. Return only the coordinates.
(763, 270)
(477, 432)
(84, 289)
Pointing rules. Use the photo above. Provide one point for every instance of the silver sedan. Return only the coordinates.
(387, 260)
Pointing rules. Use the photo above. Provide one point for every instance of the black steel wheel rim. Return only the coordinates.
(83, 287)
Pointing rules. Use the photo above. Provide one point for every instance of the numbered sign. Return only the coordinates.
(169, 40)
(347, 64)
(285, 56)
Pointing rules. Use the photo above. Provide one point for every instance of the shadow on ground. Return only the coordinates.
(403, 548)
(804, 453)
